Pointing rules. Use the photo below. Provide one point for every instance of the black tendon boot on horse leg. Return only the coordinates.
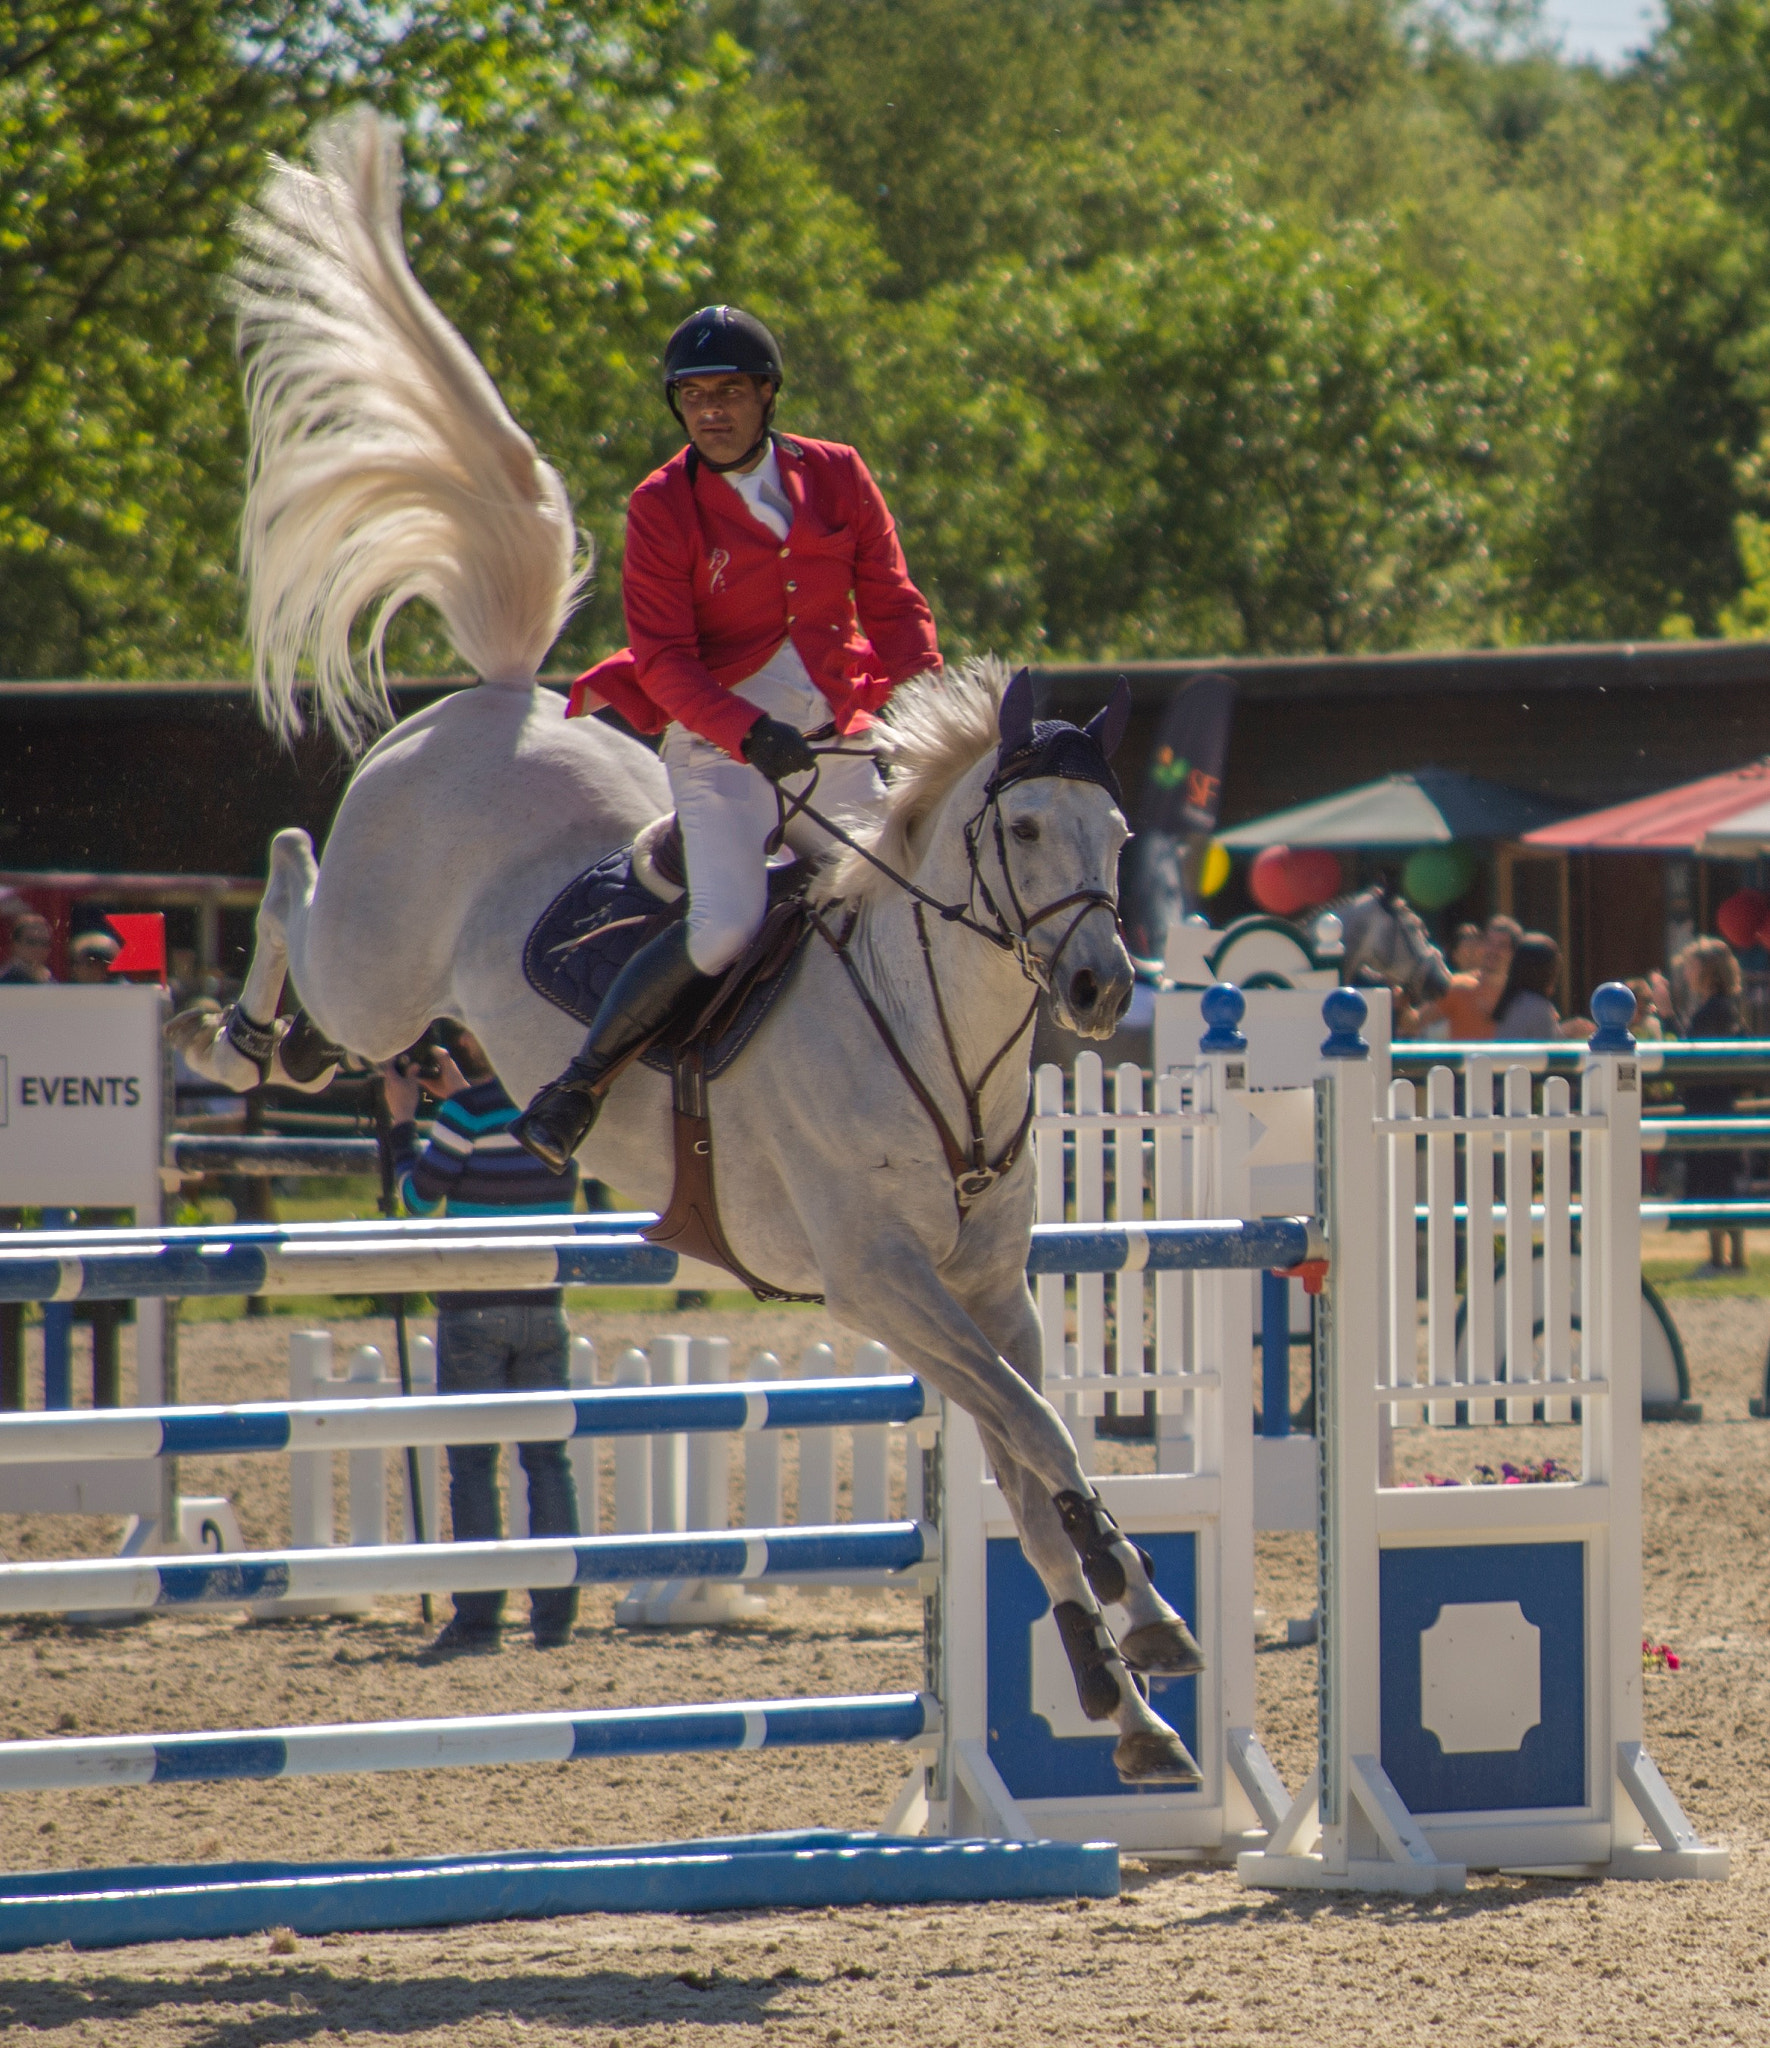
(1149, 1751)
(653, 986)
(1158, 1640)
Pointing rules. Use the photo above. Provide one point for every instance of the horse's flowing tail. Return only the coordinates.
(384, 465)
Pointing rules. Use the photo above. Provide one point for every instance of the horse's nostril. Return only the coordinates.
(1084, 993)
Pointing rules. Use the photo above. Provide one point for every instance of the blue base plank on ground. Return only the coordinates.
(812, 1867)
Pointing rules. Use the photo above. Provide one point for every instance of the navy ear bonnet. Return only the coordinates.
(1052, 746)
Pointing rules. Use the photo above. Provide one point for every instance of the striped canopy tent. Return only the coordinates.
(1426, 807)
(1724, 816)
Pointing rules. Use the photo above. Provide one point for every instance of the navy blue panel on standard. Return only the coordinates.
(1419, 1588)
(1038, 1738)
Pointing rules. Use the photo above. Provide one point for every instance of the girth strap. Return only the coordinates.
(691, 1226)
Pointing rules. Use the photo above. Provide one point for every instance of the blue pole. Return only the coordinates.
(58, 1334)
(1275, 1355)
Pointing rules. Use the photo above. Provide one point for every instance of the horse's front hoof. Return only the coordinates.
(1155, 1756)
(1163, 1649)
(201, 1035)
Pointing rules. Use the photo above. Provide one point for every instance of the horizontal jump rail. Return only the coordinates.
(347, 1259)
(813, 1867)
(355, 1229)
(390, 1424)
(1199, 1246)
(1653, 1055)
(245, 1578)
(327, 1266)
(265, 1156)
(85, 1761)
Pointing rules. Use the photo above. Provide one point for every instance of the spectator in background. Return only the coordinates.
(489, 1343)
(1481, 960)
(1646, 1022)
(27, 959)
(90, 957)
(1706, 980)
(1525, 1013)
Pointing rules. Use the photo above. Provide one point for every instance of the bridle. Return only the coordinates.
(973, 1172)
(1008, 936)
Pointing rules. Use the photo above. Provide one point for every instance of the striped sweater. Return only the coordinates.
(472, 1166)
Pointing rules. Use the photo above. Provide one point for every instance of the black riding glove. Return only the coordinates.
(777, 749)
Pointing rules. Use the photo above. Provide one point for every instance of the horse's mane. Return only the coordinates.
(934, 731)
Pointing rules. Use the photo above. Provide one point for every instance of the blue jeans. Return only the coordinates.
(507, 1347)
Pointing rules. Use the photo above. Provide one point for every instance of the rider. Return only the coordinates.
(767, 600)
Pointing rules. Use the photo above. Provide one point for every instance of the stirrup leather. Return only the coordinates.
(1090, 1527)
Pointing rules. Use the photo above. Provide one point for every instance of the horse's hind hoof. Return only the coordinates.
(1155, 1756)
(1163, 1649)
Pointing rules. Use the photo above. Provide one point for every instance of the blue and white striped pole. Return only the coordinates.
(224, 1265)
(352, 1259)
(82, 1762)
(812, 1556)
(739, 1407)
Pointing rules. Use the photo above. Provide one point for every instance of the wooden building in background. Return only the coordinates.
(181, 778)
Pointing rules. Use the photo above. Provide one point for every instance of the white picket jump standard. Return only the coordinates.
(1020, 1758)
(1480, 1646)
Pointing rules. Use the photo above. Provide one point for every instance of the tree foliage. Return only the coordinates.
(1171, 326)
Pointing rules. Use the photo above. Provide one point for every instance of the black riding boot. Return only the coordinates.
(646, 994)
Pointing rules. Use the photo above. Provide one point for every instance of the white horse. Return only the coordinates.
(385, 466)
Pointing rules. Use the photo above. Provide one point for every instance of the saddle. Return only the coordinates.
(589, 932)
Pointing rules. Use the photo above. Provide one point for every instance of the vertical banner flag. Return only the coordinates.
(1176, 812)
(143, 933)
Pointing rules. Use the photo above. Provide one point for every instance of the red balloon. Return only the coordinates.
(1270, 884)
(1316, 873)
(1285, 880)
(1740, 917)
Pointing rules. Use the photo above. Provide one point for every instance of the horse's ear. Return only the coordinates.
(1015, 720)
(1107, 726)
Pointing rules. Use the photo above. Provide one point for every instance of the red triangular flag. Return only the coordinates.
(143, 933)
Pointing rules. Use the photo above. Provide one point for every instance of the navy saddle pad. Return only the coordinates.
(595, 925)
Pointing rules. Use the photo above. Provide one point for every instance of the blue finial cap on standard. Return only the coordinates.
(1222, 1006)
(1344, 1013)
(1613, 1011)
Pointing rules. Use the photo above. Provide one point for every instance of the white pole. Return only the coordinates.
(709, 1451)
(632, 1458)
(582, 1452)
(872, 1445)
(367, 1469)
(423, 1354)
(817, 1449)
(310, 1472)
(669, 1454)
(762, 1458)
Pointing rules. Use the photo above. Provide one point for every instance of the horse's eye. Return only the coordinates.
(1026, 828)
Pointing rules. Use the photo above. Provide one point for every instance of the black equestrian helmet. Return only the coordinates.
(721, 339)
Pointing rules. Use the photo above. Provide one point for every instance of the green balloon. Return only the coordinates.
(1437, 875)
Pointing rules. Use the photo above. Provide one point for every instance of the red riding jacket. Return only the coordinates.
(710, 594)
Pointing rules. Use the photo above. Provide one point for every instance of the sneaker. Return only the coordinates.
(458, 1639)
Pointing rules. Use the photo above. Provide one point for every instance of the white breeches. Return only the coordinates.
(727, 810)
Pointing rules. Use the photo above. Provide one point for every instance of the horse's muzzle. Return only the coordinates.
(1090, 1000)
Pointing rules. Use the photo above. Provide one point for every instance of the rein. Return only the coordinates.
(973, 1172)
